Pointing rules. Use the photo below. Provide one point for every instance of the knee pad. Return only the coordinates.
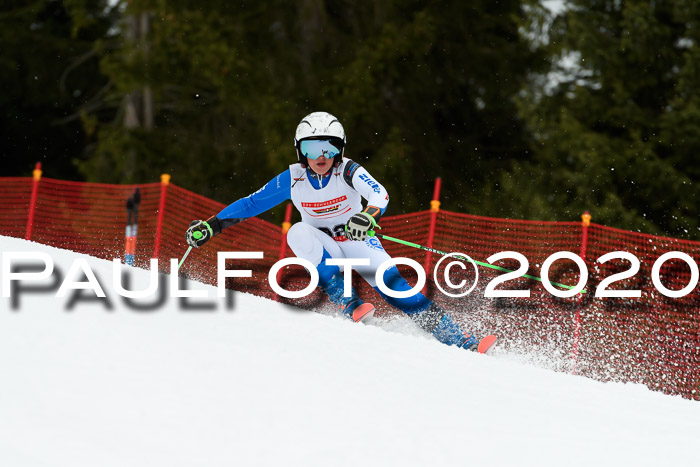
(304, 244)
(409, 305)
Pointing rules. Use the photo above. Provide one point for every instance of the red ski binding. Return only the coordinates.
(363, 312)
(486, 343)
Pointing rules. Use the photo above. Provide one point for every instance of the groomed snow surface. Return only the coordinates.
(263, 384)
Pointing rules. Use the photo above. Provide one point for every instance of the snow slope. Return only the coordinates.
(263, 384)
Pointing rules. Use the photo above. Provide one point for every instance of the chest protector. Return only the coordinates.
(327, 208)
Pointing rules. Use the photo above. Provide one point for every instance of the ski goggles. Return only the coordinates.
(315, 148)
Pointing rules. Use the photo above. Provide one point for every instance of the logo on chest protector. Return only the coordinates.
(327, 210)
(330, 208)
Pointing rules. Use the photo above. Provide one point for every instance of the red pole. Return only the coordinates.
(286, 225)
(434, 209)
(164, 182)
(32, 201)
(585, 222)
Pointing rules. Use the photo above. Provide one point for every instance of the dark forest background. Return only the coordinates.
(523, 112)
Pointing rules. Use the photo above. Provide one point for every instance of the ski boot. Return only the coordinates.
(353, 307)
(440, 324)
(448, 332)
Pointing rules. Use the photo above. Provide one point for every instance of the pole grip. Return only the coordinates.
(132, 207)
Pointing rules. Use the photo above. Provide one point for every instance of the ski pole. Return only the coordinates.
(184, 257)
(442, 253)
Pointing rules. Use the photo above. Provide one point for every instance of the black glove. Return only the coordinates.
(358, 226)
(200, 232)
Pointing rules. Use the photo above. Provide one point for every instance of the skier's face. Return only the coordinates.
(320, 165)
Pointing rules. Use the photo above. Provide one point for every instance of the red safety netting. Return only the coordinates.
(653, 339)
(91, 218)
(251, 235)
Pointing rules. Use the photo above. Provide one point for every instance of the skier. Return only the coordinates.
(327, 189)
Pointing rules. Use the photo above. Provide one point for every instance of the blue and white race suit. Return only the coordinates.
(326, 203)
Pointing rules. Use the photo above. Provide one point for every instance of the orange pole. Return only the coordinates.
(164, 182)
(585, 222)
(286, 225)
(36, 174)
(434, 209)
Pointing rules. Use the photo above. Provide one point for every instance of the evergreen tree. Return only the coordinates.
(615, 123)
(423, 89)
(429, 92)
(49, 70)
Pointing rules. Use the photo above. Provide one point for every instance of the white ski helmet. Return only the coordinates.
(320, 125)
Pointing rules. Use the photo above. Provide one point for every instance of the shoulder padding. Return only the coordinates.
(349, 170)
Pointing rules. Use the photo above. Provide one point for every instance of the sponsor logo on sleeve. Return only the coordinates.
(374, 185)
